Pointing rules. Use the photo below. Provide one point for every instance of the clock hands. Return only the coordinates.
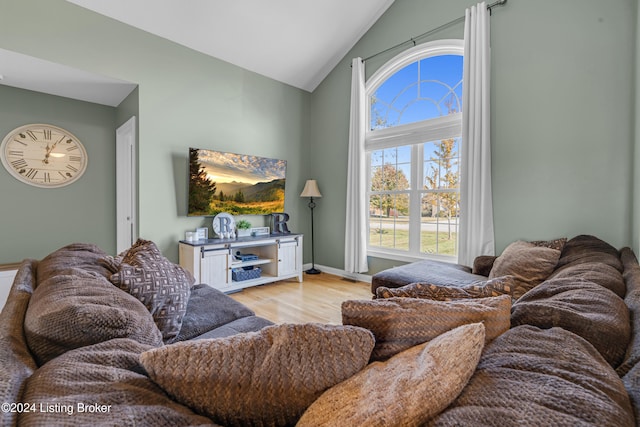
(49, 150)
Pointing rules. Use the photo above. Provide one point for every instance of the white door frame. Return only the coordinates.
(126, 185)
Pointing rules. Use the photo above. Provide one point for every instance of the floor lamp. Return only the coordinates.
(311, 190)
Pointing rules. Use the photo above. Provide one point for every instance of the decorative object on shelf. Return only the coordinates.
(43, 155)
(279, 223)
(311, 190)
(224, 225)
(244, 228)
(190, 236)
(202, 233)
(260, 231)
(246, 257)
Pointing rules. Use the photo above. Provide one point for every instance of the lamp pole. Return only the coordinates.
(311, 190)
(313, 269)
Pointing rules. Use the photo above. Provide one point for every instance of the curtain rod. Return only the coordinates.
(435, 30)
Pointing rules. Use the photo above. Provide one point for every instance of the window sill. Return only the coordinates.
(406, 257)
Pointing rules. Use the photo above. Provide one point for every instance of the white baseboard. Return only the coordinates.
(337, 272)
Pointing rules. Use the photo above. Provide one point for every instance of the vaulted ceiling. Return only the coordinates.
(297, 42)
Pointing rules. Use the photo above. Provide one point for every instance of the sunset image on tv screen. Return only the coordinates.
(238, 184)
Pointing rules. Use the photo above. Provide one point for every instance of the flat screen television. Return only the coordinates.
(238, 184)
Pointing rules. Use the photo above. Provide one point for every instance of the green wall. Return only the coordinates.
(562, 117)
(36, 221)
(184, 99)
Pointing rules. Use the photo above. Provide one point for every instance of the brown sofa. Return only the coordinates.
(94, 354)
(571, 355)
(69, 336)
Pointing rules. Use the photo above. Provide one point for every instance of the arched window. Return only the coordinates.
(412, 149)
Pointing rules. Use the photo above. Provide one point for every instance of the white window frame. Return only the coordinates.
(414, 134)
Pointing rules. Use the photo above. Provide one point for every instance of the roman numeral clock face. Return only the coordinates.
(43, 155)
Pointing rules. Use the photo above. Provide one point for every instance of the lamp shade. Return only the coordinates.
(311, 189)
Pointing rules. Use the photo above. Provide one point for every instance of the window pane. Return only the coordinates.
(426, 89)
(441, 80)
(439, 223)
(441, 164)
(389, 221)
(391, 169)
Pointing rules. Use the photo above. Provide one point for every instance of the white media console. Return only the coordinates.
(216, 261)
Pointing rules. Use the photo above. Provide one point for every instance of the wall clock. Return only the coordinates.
(43, 155)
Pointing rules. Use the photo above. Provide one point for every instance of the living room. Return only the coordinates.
(563, 128)
(565, 150)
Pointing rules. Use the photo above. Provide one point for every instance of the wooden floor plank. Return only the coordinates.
(317, 299)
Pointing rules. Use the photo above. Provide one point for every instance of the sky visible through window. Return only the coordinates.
(422, 90)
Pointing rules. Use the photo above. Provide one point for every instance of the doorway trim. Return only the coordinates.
(126, 185)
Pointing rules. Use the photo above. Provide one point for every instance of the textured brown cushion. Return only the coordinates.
(261, 378)
(597, 272)
(632, 299)
(529, 264)
(534, 377)
(16, 361)
(162, 286)
(482, 264)
(408, 389)
(631, 381)
(504, 285)
(67, 312)
(401, 323)
(84, 256)
(586, 249)
(582, 307)
(109, 375)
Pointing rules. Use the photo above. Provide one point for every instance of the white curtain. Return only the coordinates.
(355, 245)
(476, 207)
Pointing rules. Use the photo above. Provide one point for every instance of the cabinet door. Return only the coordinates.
(214, 268)
(287, 258)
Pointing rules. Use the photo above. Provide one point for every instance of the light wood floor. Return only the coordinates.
(316, 299)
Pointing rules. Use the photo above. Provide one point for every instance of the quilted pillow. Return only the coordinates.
(110, 376)
(557, 244)
(71, 311)
(265, 378)
(529, 263)
(401, 323)
(582, 307)
(162, 286)
(540, 377)
(505, 285)
(406, 390)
